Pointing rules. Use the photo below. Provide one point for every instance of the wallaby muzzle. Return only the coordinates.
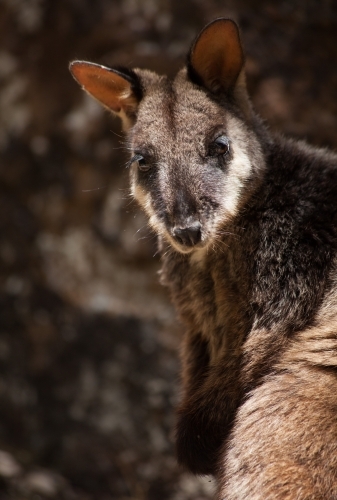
(188, 236)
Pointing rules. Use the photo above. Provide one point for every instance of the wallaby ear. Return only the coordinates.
(119, 90)
(216, 57)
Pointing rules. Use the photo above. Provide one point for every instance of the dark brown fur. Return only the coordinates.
(247, 229)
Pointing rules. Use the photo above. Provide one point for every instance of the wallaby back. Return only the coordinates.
(247, 229)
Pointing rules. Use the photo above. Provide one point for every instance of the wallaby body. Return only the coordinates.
(247, 226)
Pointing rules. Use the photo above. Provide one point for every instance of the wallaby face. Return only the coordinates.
(190, 170)
(251, 224)
(193, 165)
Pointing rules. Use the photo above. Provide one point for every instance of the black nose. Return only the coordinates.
(188, 236)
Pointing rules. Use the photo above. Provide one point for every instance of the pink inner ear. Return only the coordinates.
(217, 56)
(112, 90)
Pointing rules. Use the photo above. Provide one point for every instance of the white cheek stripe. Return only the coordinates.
(239, 171)
(143, 199)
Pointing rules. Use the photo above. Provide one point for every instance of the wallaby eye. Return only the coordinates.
(143, 166)
(220, 146)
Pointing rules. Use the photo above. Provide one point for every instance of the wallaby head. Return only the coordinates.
(195, 156)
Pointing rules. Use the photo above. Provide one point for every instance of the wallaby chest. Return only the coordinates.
(209, 293)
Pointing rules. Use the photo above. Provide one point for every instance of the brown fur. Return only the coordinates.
(247, 227)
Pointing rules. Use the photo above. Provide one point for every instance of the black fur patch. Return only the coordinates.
(192, 74)
(129, 75)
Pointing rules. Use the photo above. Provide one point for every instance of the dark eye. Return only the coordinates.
(142, 164)
(220, 146)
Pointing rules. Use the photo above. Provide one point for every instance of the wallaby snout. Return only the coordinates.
(188, 236)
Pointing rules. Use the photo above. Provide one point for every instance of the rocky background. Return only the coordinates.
(88, 340)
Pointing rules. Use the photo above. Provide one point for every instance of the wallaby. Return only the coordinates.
(247, 229)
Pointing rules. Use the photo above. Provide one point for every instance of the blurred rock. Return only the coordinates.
(9, 467)
(43, 483)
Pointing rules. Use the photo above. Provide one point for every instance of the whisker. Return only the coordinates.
(117, 135)
(93, 189)
(140, 229)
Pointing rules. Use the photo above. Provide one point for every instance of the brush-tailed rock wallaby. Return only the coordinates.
(247, 228)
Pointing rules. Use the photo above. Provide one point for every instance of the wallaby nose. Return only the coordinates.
(188, 236)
